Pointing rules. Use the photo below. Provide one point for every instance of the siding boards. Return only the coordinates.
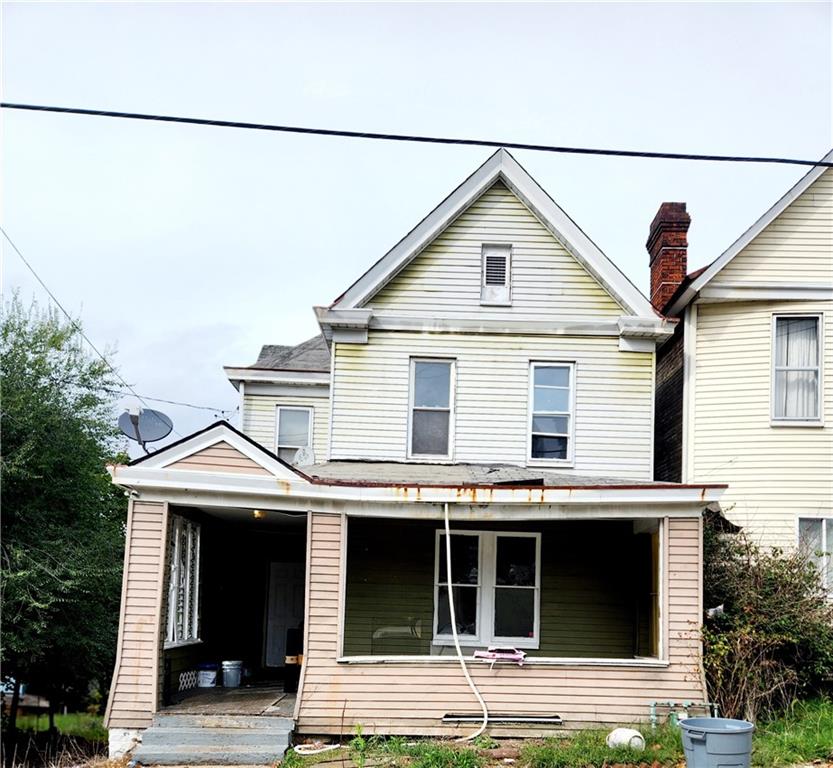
(259, 419)
(220, 458)
(412, 698)
(133, 692)
(613, 398)
(547, 282)
(668, 427)
(777, 473)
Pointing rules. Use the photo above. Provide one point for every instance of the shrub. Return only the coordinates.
(773, 642)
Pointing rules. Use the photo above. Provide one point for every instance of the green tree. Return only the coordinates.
(62, 519)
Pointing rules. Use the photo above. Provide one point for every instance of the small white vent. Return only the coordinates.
(495, 284)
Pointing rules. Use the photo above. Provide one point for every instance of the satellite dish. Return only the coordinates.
(304, 457)
(145, 425)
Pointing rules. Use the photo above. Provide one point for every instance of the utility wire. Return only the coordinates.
(177, 402)
(75, 324)
(415, 139)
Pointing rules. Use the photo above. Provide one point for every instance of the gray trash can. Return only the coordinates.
(716, 742)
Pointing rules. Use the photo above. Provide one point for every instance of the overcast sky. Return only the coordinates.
(186, 248)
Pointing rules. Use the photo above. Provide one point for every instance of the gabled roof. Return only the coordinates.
(310, 355)
(696, 281)
(260, 460)
(500, 166)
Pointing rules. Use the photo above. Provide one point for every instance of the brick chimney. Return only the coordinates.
(668, 246)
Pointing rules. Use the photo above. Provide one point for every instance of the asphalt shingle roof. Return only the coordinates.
(310, 355)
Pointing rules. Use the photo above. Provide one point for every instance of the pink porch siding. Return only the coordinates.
(411, 698)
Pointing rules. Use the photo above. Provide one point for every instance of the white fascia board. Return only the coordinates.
(655, 327)
(270, 376)
(747, 237)
(159, 462)
(501, 165)
(340, 317)
(283, 490)
(765, 292)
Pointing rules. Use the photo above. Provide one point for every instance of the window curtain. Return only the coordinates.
(796, 368)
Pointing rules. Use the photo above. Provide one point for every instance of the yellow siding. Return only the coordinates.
(547, 282)
(613, 398)
(777, 473)
(412, 698)
(133, 694)
(797, 247)
(220, 458)
(259, 419)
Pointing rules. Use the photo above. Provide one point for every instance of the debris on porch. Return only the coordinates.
(269, 701)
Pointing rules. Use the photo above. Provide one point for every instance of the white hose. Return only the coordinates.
(314, 749)
(453, 617)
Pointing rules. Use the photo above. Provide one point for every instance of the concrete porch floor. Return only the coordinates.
(270, 701)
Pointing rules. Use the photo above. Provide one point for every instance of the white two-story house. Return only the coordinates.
(461, 461)
(745, 388)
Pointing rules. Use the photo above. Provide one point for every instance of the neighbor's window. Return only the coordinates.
(495, 280)
(294, 431)
(796, 393)
(551, 416)
(495, 579)
(431, 407)
(183, 625)
(815, 538)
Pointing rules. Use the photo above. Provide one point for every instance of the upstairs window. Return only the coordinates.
(815, 540)
(551, 412)
(495, 286)
(796, 390)
(431, 408)
(183, 624)
(294, 431)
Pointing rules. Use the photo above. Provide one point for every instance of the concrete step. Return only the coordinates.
(224, 721)
(208, 755)
(211, 737)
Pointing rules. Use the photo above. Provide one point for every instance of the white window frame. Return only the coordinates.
(496, 295)
(486, 585)
(452, 386)
(826, 546)
(571, 435)
(781, 421)
(311, 415)
(190, 610)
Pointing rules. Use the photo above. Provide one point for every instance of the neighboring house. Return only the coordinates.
(494, 370)
(745, 386)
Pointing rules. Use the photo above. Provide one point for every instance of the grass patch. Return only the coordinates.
(79, 724)
(805, 734)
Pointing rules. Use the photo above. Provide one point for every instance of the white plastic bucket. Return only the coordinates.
(232, 671)
(207, 677)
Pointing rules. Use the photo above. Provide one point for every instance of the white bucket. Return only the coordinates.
(232, 671)
(206, 678)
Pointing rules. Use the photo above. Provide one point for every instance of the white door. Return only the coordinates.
(284, 608)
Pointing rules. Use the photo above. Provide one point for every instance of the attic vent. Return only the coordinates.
(495, 287)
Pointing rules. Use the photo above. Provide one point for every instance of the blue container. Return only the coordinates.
(716, 742)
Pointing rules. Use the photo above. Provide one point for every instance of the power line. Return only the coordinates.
(177, 402)
(75, 324)
(415, 139)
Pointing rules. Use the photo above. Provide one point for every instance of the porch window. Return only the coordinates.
(796, 391)
(815, 539)
(495, 579)
(183, 583)
(551, 412)
(294, 431)
(431, 408)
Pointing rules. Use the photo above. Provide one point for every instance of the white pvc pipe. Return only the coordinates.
(453, 617)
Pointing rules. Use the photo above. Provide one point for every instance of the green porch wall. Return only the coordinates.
(595, 587)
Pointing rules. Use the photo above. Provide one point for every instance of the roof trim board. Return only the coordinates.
(500, 166)
(706, 275)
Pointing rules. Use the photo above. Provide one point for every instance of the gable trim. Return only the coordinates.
(501, 166)
(219, 432)
(747, 237)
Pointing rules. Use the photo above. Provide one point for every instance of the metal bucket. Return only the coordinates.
(232, 672)
(716, 742)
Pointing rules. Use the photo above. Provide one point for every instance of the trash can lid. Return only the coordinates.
(716, 725)
(232, 663)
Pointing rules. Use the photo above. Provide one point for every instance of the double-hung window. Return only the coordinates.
(431, 408)
(183, 624)
(293, 431)
(815, 539)
(551, 395)
(495, 582)
(796, 370)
